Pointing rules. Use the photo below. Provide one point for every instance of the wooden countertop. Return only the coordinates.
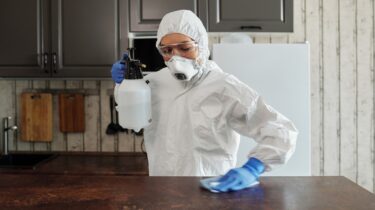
(94, 163)
(41, 191)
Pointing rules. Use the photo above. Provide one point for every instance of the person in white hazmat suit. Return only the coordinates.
(198, 112)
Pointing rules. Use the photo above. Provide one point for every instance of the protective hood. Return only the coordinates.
(187, 23)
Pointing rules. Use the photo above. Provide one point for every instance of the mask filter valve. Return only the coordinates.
(182, 68)
(180, 76)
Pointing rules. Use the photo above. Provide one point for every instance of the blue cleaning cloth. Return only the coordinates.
(208, 183)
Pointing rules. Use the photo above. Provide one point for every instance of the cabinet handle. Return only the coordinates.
(45, 62)
(54, 62)
(251, 27)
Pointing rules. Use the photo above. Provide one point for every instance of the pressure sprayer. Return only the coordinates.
(134, 96)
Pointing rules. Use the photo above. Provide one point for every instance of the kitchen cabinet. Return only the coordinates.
(145, 15)
(217, 15)
(250, 16)
(22, 39)
(61, 38)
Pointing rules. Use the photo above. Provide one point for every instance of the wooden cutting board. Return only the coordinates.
(36, 116)
(72, 112)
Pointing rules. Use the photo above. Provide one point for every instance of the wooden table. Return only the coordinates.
(40, 191)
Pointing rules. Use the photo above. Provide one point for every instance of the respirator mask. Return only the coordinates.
(182, 68)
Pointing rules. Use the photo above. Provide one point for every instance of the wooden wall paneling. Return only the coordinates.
(313, 36)
(279, 39)
(365, 93)
(7, 104)
(107, 141)
(138, 146)
(261, 38)
(40, 146)
(373, 98)
(74, 140)
(12, 141)
(125, 142)
(21, 85)
(58, 142)
(348, 135)
(331, 88)
(212, 39)
(92, 119)
(298, 34)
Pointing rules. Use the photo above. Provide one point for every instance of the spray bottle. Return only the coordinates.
(134, 96)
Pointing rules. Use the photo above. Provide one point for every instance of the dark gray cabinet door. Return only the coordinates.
(86, 36)
(145, 15)
(23, 38)
(250, 15)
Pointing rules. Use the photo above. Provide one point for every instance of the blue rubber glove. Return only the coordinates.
(240, 178)
(118, 70)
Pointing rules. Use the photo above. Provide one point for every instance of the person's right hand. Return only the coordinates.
(118, 70)
(241, 178)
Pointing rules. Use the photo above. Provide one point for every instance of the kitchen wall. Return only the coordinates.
(97, 118)
(341, 36)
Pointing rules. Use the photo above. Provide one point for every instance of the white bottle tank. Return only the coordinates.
(134, 104)
(134, 97)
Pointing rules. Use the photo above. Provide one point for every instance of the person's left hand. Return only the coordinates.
(240, 178)
(118, 70)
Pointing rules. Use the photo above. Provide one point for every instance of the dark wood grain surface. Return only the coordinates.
(72, 112)
(30, 191)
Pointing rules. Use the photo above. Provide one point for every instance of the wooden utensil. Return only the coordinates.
(72, 112)
(36, 117)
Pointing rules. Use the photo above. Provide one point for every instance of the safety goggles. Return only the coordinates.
(183, 48)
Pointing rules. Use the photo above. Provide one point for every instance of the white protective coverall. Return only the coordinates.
(196, 124)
